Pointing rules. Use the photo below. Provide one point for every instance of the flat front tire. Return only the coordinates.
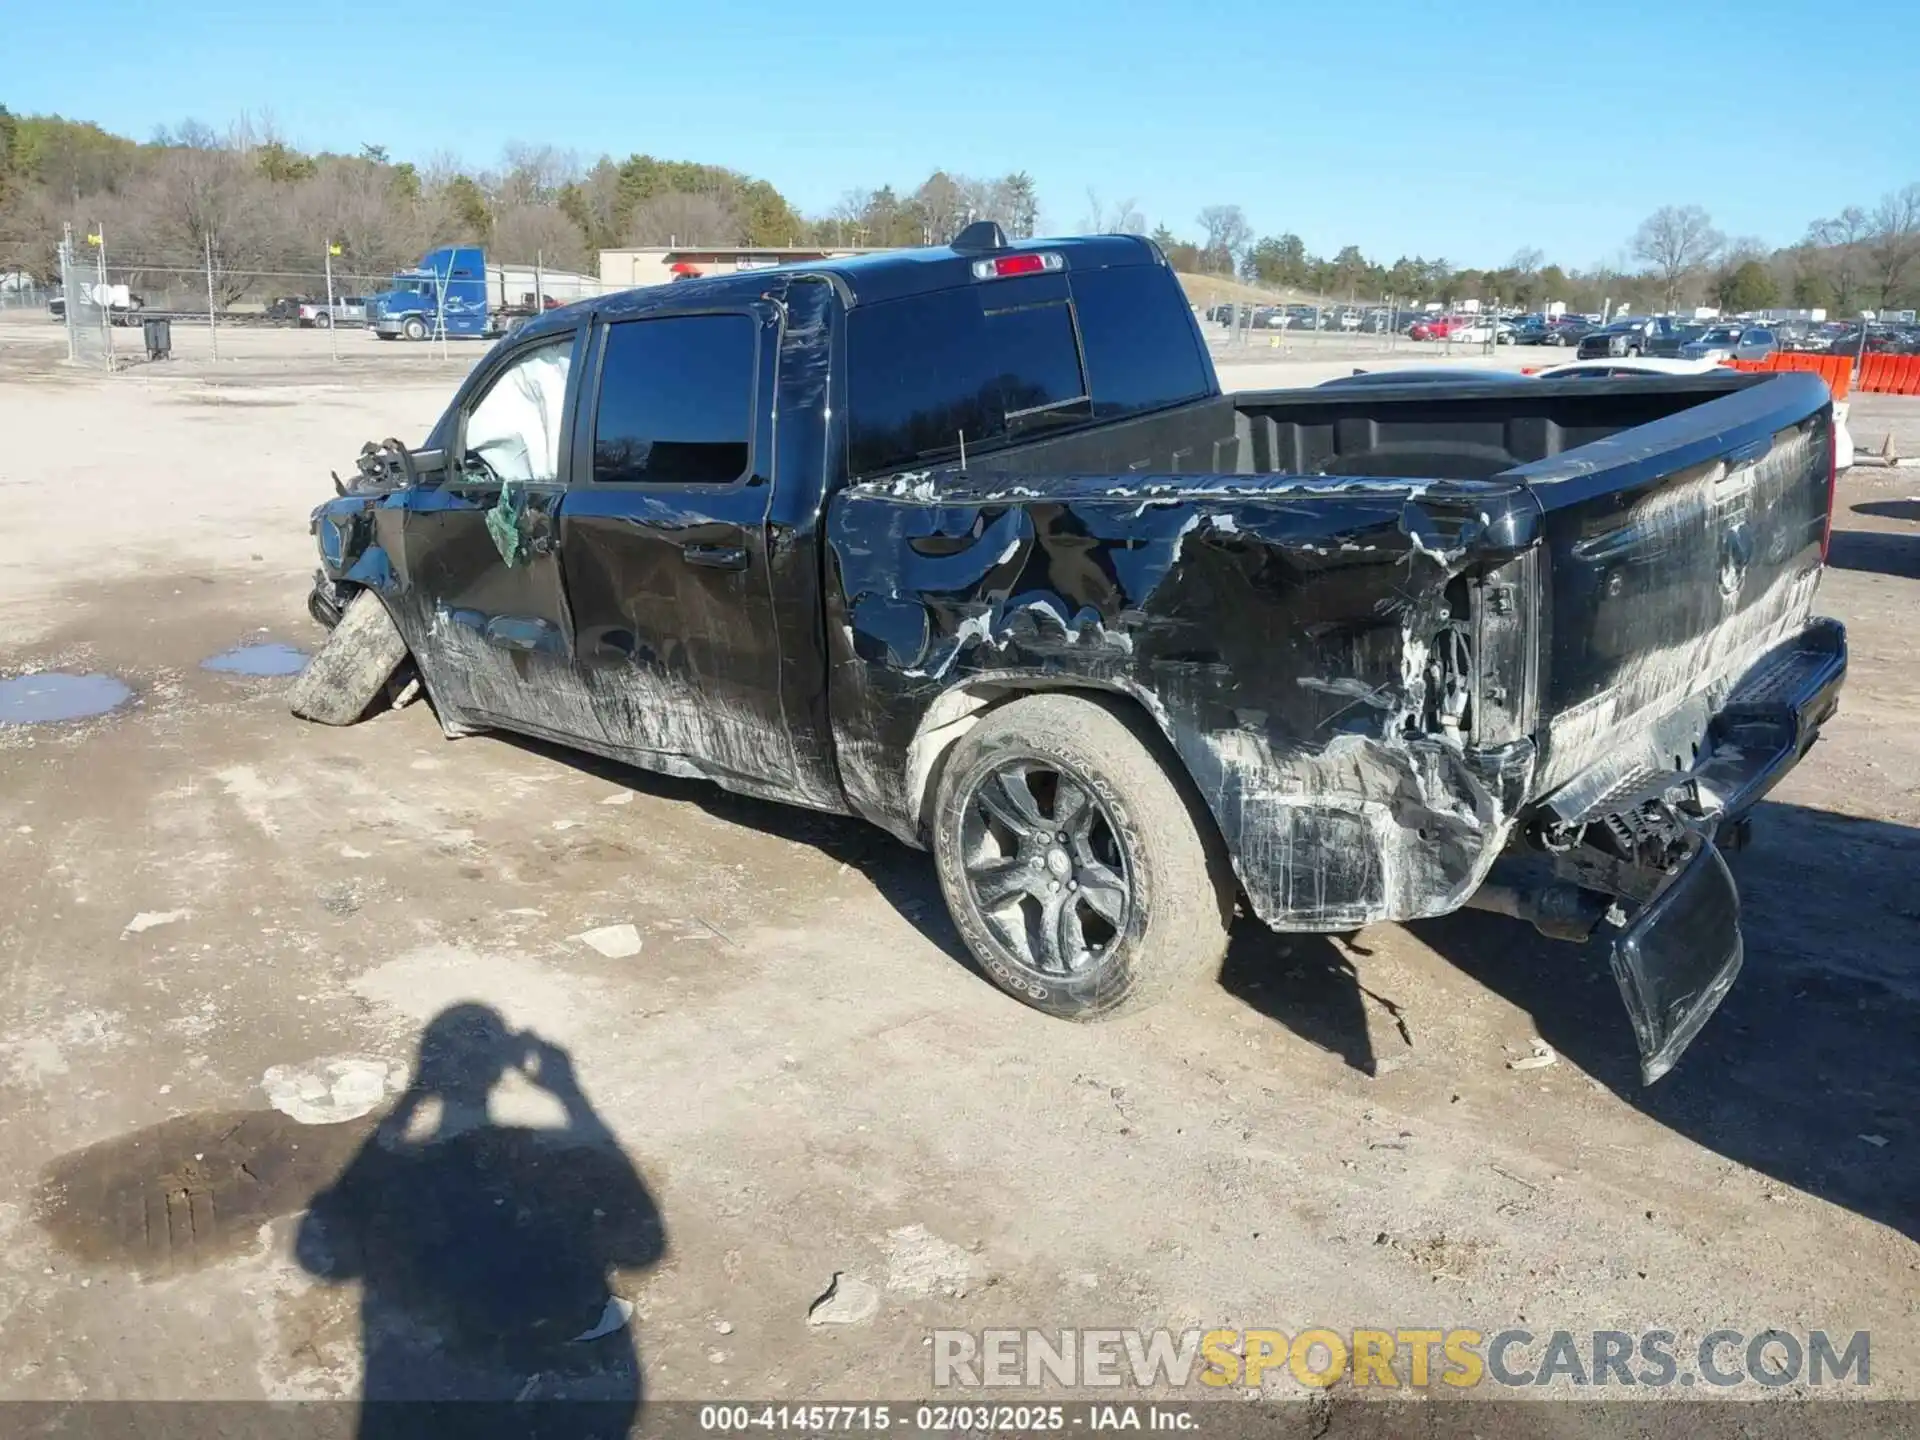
(1081, 870)
(353, 667)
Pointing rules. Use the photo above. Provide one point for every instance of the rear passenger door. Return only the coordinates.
(665, 551)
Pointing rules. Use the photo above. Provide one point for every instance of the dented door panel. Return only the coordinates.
(679, 655)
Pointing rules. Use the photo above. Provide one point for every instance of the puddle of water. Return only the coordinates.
(190, 1190)
(52, 696)
(268, 659)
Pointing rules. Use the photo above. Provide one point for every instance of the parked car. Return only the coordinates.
(1437, 327)
(1731, 342)
(955, 608)
(1638, 335)
(1558, 333)
(347, 310)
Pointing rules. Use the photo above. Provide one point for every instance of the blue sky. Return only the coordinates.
(1459, 128)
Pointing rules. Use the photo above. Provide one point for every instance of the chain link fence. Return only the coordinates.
(86, 305)
(205, 296)
(21, 292)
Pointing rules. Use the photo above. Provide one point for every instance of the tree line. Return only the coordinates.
(1859, 258)
(262, 208)
(257, 206)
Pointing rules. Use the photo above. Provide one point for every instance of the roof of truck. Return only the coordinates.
(869, 278)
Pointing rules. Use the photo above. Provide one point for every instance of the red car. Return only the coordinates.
(1438, 327)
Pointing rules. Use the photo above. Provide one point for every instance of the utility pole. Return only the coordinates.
(332, 327)
(213, 331)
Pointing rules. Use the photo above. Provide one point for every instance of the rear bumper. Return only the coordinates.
(1681, 946)
(1771, 719)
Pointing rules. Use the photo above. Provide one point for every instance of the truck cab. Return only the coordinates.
(446, 293)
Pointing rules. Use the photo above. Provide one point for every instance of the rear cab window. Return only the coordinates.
(975, 368)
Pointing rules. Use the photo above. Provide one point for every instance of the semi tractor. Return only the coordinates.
(454, 291)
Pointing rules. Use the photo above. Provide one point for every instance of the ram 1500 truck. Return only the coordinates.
(969, 542)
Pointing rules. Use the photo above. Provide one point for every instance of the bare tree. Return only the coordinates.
(1676, 240)
(525, 233)
(1526, 261)
(679, 219)
(942, 203)
(1227, 235)
(849, 217)
(1894, 239)
(354, 204)
(1843, 238)
(191, 196)
(1123, 218)
(533, 174)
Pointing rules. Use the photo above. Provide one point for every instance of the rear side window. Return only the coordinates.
(1141, 351)
(676, 401)
(933, 375)
(1001, 361)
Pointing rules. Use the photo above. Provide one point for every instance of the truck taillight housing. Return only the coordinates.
(1002, 266)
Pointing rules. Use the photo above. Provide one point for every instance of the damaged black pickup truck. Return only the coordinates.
(968, 542)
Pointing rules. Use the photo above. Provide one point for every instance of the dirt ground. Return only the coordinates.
(216, 915)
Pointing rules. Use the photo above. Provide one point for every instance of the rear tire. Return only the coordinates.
(353, 667)
(1137, 900)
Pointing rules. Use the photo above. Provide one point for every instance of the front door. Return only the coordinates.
(483, 586)
(665, 546)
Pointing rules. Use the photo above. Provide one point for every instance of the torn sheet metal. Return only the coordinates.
(1276, 629)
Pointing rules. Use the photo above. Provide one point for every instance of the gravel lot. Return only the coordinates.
(212, 905)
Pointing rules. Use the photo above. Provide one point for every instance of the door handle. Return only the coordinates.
(715, 557)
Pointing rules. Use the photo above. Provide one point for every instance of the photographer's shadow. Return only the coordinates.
(484, 1250)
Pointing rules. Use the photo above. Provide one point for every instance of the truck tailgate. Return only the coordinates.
(1676, 553)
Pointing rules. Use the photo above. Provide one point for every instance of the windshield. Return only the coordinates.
(1758, 337)
(1720, 336)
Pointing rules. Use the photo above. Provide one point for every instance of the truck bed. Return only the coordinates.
(1379, 626)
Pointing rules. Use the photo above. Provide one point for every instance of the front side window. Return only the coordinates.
(513, 430)
(676, 401)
